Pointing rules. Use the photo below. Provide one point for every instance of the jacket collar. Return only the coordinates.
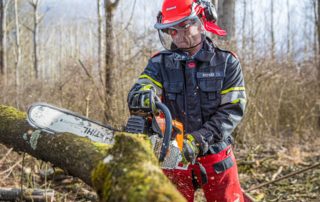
(207, 51)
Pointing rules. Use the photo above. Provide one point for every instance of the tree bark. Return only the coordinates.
(109, 66)
(110, 7)
(125, 171)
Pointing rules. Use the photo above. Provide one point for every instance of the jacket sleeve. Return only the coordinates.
(231, 108)
(150, 75)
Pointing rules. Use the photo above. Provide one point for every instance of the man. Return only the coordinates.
(203, 87)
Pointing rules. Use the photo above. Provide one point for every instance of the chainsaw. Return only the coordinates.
(166, 135)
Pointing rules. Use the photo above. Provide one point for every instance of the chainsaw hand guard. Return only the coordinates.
(142, 103)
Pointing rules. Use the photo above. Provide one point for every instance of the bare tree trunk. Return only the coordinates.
(315, 33)
(288, 30)
(126, 170)
(109, 58)
(35, 31)
(318, 30)
(318, 54)
(18, 53)
(100, 31)
(244, 22)
(2, 31)
(3, 39)
(226, 15)
(272, 29)
(252, 34)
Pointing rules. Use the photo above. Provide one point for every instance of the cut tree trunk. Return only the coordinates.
(126, 171)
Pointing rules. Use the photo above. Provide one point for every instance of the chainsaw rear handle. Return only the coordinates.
(168, 130)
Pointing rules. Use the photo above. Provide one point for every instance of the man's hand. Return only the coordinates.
(190, 149)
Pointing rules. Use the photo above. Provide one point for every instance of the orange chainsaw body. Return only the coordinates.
(177, 130)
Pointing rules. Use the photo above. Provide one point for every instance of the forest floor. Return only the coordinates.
(258, 164)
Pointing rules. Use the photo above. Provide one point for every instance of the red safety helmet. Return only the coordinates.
(176, 11)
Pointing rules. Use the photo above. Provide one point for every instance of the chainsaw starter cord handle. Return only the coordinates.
(167, 131)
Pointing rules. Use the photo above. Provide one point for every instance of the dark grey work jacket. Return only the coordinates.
(205, 92)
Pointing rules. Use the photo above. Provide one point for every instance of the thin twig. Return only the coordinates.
(22, 174)
(131, 15)
(5, 156)
(10, 169)
(92, 80)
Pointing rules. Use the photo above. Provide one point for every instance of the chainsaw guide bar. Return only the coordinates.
(53, 120)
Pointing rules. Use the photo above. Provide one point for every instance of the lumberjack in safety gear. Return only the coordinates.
(203, 87)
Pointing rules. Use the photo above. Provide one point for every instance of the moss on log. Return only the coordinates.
(126, 171)
(131, 173)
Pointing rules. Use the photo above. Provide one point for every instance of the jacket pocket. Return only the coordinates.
(172, 89)
(211, 87)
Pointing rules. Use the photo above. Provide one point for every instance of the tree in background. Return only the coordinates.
(288, 30)
(100, 32)
(272, 29)
(35, 33)
(226, 16)
(3, 38)
(18, 52)
(317, 7)
(110, 8)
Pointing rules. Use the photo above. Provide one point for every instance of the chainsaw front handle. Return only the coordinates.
(168, 130)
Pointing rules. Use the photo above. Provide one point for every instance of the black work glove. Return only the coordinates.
(200, 141)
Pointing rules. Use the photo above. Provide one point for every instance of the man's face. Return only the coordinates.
(186, 34)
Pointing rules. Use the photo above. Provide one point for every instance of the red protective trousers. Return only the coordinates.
(222, 173)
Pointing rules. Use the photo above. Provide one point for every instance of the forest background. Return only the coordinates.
(85, 55)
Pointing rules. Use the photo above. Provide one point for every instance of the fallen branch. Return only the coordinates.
(37, 195)
(283, 177)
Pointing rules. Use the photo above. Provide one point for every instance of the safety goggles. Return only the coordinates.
(183, 26)
(167, 34)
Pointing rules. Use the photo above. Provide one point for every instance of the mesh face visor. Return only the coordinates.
(183, 34)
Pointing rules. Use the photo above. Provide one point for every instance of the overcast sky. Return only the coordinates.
(145, 11)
